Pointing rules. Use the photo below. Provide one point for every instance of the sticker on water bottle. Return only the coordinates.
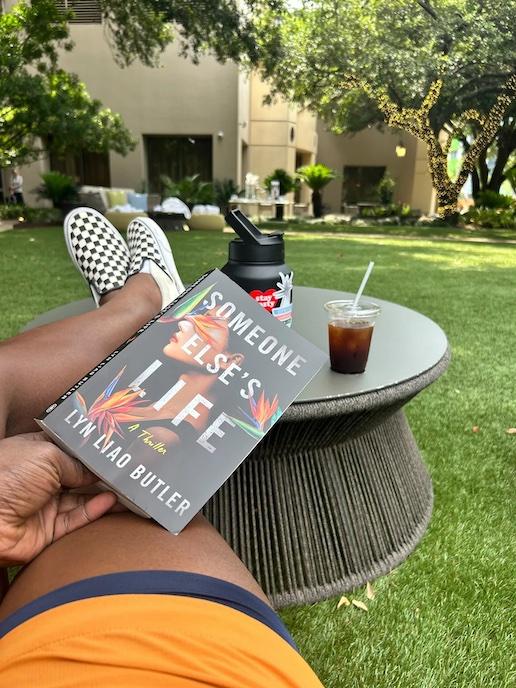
(283, 311)
(283, 314)
(278, 302)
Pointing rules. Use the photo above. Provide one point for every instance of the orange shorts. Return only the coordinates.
(150, 629)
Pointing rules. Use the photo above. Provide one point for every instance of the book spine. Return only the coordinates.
(112, 355)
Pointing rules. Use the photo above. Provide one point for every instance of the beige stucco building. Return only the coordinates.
(210, 118)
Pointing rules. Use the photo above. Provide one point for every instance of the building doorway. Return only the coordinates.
(91, 169)
(359, 184)
(177, 157)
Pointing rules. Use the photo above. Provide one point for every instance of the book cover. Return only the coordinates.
(166, 418)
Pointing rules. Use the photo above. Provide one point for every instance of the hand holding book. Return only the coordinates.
(37, 508)
(167, 418)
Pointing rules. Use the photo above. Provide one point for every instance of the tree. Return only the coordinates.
(316, 177)
(228, 29)
(45, 107)
(436, 69)
(42, 106)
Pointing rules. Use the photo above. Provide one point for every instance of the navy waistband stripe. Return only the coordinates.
(153, 583)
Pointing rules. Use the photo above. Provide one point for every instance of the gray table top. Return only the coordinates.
(405, 343)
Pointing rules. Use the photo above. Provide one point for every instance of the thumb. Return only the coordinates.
(72, 473)
(88, 509)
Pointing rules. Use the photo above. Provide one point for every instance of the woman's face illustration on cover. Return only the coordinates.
(211, 330)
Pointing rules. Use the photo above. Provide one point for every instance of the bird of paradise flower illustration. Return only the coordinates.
(111, 408)
(263, 414)
(193, 310)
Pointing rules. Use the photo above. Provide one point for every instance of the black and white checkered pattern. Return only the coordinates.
(98, 251)
(143, 246)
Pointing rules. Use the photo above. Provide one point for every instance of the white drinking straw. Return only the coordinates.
(362, 286)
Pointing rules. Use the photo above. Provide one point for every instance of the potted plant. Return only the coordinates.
(287, 183)
(60, 189)
(223, 190)
(385, 189)
(191, 190)
(316, 177)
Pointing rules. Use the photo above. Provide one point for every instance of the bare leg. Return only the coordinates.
(125, 542)
(37, 366)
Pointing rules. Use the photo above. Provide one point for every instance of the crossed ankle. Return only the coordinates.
(140, 291)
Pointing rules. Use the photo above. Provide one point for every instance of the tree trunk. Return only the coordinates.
(505, 144)
(317, 203)
(447, 197)
(475, 182)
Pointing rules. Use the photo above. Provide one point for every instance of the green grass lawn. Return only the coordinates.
(396, 230)
(445, 618)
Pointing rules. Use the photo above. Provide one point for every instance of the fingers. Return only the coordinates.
(31, 436)
(71, 500)
(72, 473)
(85, 511)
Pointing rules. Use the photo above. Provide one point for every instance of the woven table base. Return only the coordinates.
(316, 523)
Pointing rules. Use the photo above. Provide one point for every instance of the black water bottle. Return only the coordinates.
(257, 264)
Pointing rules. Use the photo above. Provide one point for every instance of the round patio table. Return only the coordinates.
(337, 493)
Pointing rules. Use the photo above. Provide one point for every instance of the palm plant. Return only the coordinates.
(222, 192)
(191, 190)
(316, 177)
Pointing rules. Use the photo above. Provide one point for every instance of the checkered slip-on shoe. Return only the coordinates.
(151, 253)
(97, 250)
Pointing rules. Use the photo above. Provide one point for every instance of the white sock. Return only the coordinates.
(166, 285)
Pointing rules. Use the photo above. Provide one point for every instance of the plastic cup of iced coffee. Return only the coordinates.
(350, 329)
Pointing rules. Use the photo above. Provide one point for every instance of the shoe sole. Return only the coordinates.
(71, 250)
(166, 252)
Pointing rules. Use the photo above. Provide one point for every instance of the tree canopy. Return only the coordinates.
(44, 107)
(360, 63)
(41, 105)
(228, 29)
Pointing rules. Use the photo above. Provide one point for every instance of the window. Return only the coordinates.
(91, 169)
(359, 184)
(178, 157)
(85, 11)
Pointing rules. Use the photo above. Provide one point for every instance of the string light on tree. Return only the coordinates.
(417, 122)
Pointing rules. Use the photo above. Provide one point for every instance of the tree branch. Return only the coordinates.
(425, 5)
(489, 129)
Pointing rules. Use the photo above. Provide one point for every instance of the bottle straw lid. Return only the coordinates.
(253, 246)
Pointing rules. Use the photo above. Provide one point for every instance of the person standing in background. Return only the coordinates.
(16, 187)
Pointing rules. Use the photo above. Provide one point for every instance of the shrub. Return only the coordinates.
(33, 215)
(287, 182)
(11, 212)
(492, 199)
(191, 190)
(43, 215)
(391, 210)
(385, 189)
(58, 188)
(491, 218)
(222, 192)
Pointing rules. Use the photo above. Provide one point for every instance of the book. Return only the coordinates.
(168, 416)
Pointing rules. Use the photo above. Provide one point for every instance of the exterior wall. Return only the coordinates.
(243, 125)
(277, 133)
(226, 103)
(176, 98)
(377, 148)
